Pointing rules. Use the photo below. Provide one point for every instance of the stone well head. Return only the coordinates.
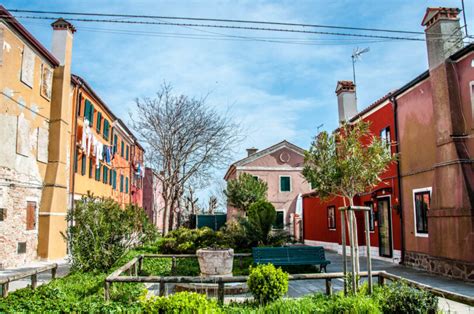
(215, 262)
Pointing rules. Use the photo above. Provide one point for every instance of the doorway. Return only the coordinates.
(385, 227)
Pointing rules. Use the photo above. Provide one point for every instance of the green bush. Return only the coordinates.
(181, 302)
(398, 297)
(102, 232)
(267, 283)
(261, 217)
(187, 241)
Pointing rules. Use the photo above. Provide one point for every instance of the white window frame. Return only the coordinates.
(279, 184)
(414, 191)
(335, 219)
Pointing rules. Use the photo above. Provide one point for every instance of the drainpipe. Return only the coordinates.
(399, 179)
(74, 141)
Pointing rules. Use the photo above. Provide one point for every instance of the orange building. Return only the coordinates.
(102, 154)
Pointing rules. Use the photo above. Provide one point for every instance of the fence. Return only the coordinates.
(133, 268)
(215, 222)
(4, 282)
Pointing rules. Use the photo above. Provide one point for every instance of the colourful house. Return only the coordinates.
(280, 167)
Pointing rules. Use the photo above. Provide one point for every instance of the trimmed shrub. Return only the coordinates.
(187, 241)
(267, 283)
(181, 302)
(102, 232)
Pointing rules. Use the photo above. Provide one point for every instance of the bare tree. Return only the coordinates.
(185, 140)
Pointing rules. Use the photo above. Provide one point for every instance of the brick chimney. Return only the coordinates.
(251, 151)
(451, 211)
(54, 201)
(443, 34)
(346, 100)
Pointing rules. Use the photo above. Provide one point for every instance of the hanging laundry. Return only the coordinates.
(90, 138)
(85, 131)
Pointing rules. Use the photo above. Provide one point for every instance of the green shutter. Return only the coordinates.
(285, 184)
(97, 173)
(91, 115)
(87, 108)
(126, 185)
(114, 180)
(121, 183)
(99, 121)
(115, 143)
(83, 164)
(76, 157)
(106, 129)
(91, 167)
(121, 148)
(279, 221)
(126, 153)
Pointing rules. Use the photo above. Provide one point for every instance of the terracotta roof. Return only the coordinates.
(13, 23)
(442, 11)
(372, 106)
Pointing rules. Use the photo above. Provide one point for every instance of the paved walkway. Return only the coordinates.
(45, 277)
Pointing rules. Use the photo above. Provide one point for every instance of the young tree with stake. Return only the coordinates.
(341, 165)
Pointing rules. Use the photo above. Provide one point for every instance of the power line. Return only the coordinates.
(224, 27)
(218, 20)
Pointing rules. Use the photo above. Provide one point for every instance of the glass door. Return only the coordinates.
(385, 227)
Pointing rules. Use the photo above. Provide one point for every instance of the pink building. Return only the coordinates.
(280, 167)
(153, 202)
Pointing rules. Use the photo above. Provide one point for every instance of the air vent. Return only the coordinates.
(21, 247)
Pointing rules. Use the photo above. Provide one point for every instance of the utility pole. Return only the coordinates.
(356, 53)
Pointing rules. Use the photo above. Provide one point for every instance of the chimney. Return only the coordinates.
(251, 151)
(346, 100)
(443, 34)
(54, 199)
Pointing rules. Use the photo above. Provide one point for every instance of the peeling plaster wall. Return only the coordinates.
(24, 123)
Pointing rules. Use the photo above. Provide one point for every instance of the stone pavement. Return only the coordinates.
(301, 288)
(63, 270)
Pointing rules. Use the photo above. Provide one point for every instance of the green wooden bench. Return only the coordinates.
(291, 255)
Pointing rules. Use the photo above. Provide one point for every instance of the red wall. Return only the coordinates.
(315, 217)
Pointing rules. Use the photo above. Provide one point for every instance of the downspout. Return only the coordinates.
(399, 179)
(74, 146)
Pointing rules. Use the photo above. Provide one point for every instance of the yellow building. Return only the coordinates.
(33, 169)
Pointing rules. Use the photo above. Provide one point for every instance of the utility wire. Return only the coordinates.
(224, 27)
(217, 20)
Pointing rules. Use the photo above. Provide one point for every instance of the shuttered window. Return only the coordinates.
(126, 185)
(105, 175)
(114, 180)
(91, 167)
(97, 173)
(121, 183)
(279, 221)
(99, 122)
(115, 143)
(285, 184)
(89, 112)
(106, 129)
(126, 152)
(30, 215)
(76, 161)
(83, 164)
(122, 146)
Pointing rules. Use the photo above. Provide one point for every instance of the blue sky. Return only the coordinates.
(277, 91)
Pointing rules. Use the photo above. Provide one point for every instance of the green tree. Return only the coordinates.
(261, 217)
(346, 163)
(245, 190)
(100, 232)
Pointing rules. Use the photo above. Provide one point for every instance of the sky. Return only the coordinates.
(276, 91)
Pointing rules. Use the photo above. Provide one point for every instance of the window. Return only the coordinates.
(126, 185)
(332, 217)
(385, 137)
(122, 146)
(422, 200)
(21, 248)
(83, 164)
(97, 173)
(76, 160)
(280, 220)
(285, 184)
(105, 175)
(30, 215)
(126, 152)
(91, 167)
(115, 143)
(106, 129)
(114, 180)
(99, 122)
(3, 214)
(371, 215)
(121, 183)
(46, 81)
(89, 112)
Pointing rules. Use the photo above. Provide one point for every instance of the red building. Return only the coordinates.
(322, 221)
(424, 208)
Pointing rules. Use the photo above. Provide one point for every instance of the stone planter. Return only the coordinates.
(215, 262)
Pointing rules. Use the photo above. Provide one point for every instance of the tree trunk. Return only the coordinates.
(356, 243)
